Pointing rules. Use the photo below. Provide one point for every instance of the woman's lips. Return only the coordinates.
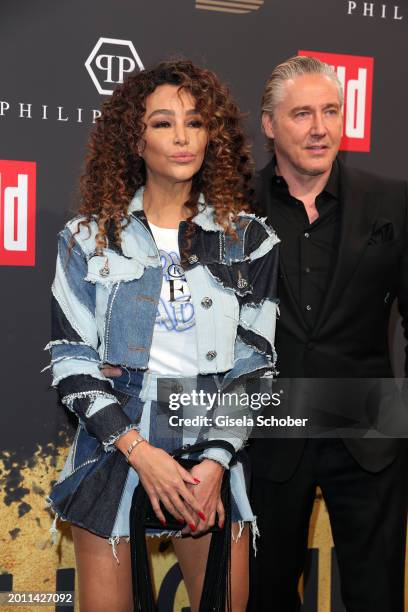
(182, 158)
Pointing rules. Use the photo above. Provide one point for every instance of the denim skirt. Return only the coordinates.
(95, 487)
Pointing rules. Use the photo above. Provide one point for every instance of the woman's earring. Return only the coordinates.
(139, 149)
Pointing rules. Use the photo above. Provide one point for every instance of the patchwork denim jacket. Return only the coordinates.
(104, 309)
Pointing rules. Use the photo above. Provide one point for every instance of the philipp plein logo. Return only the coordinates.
(110, 61)
(379, 10)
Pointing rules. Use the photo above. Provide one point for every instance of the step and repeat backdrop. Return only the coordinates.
(59, 61)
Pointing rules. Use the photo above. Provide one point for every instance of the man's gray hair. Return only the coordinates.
(290, 69)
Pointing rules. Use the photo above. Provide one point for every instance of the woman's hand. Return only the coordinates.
(165, 480)
(208, 494)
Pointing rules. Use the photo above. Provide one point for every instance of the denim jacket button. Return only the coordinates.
(105, 270)
(211, 355)
(206, 302)
(242, 283)
(193, 259)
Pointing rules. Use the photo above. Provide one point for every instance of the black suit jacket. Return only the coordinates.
(350, 337)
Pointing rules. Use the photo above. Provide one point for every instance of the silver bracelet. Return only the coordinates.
(132, 446)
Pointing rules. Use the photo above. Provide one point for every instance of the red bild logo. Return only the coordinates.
(356, 76)
(17, 213)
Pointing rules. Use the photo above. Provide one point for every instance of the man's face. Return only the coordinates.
(307, 124)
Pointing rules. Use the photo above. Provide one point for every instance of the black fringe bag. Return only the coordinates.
(216, 595)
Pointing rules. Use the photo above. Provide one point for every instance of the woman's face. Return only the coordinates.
(175, 138)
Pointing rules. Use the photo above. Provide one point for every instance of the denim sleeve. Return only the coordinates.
(75, 361)
(256, 331)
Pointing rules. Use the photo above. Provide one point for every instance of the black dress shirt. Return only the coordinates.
(308, 251)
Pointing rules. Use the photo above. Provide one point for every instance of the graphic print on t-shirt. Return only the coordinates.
(174, 344)
(175, 309)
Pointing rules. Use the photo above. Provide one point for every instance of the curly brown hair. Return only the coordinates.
(114, 170)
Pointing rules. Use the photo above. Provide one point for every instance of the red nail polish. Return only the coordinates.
(202, 516)
(181, 522)
(222, 525)
(163, 522)
(197, 481)
(192, 527)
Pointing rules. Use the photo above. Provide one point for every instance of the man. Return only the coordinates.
(344, 258)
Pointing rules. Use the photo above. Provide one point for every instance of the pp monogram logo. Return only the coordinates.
(110, 61)
(229, 6)
(17, 213)
(355, 73)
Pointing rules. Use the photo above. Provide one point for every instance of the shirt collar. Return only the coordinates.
(331, 187)
(204, 218)
(136, 203)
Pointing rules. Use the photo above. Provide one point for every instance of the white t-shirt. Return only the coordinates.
(174, 344)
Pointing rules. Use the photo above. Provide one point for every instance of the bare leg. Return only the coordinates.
(192, 556)
(104, 584)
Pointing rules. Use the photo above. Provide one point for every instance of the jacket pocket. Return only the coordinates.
(111, 268)
(382, 232)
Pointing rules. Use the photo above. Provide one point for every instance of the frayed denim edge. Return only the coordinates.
(114, 540)
(109, 444)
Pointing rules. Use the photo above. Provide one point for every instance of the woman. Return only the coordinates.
(162, 274)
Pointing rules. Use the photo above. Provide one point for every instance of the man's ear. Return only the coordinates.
(267, 125)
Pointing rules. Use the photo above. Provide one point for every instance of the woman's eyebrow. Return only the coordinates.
(167, 111)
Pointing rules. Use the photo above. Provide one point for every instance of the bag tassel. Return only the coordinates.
(216, 594)
(143, 598)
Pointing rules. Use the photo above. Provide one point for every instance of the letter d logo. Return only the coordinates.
(17, 213)
(356, 75)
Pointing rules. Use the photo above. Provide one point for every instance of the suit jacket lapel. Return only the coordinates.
(358, 212)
